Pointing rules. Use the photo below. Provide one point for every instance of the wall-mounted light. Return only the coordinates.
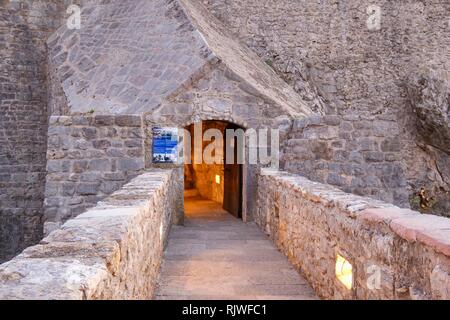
(161, 232)
(217, 179)
(344, 271)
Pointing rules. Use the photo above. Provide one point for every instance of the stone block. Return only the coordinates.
(54, 166)
(373, 156)
(368, 144)
(133, 143)
(391, 145)
(128, 121)
(332, 120)
(104, 120)
(101, 144)
(135, 152)
(385, 215)
(115, 153)
(68, 189)
(87, 189)
(100, 165)
(130, 164)
(346, 126)
(82, 144)
(82, 120)
(89, 133)
(219, 105)
(91, 177)
(79, 166)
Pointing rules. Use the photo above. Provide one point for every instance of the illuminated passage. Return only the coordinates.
(217, 256)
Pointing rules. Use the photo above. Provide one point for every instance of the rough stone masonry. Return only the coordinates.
(365, 110)
(398, 72)
(24, 28)
(112, 251)
(395, 253)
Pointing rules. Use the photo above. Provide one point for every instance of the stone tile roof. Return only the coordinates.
(129, 56)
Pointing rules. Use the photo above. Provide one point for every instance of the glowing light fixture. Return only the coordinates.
(344, 272)
(217, 179)
(161, 232)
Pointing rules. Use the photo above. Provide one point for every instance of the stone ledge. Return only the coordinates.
(429, 230)
(94, 254)
(325, 194)
(98, 120)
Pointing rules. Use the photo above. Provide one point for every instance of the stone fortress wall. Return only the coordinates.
(325, 50)
(358, 154)
(384, 94)
(88, 158)
(24, 28)
(173, 70)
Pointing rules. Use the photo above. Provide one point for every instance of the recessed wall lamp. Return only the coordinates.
(217, 179)
(344, 271)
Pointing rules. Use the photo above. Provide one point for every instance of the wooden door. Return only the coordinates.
(232, 200)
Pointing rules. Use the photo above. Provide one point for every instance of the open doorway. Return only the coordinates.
(220, 181)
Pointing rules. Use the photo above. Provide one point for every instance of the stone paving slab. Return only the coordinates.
(218, 257)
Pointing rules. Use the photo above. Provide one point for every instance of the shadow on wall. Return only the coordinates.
(25, 26)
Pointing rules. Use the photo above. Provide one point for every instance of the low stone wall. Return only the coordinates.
(395, 253)
(88, 158)
(112, 251)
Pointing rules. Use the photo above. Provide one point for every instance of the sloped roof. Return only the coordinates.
(242, 60)
(129, 55)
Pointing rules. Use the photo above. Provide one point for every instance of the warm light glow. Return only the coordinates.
(161, 232)
(344, 272)
(217, 179)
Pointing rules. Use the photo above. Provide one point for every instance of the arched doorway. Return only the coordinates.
(218, 176)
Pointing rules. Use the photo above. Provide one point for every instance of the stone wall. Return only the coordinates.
(395, 253)
(112, 251)
(330, 45)
(89, 157)
(325, 47)
(359, 154)
(218, 94)
(24, 27)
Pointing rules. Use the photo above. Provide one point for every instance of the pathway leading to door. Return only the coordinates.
(216, 256)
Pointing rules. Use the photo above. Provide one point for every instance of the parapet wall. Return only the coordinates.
(112, 251)
(395, 253)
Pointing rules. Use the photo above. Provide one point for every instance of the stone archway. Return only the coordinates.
(220, 178)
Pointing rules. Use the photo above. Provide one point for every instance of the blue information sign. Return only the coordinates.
(165, 141)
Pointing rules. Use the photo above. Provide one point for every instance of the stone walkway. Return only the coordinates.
(216, 256)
